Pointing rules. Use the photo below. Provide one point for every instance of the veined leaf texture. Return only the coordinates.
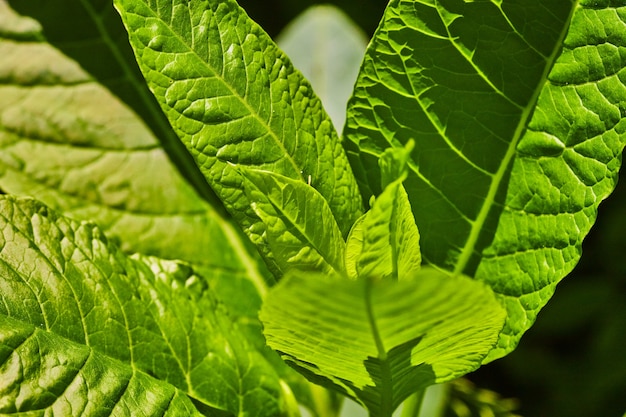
(84, 325)
(516, 109)
(235, 99)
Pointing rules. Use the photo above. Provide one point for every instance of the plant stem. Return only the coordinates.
(413, 404)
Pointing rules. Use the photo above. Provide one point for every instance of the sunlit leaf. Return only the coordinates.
(380, 341)
(238, 102)
(83, 326)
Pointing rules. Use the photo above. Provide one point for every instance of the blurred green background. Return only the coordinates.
(572, 363)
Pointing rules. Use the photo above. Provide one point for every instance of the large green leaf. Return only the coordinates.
(76, 311)
(66, 140)
(380, 341)
(48, 375)
(69, 142)
(78, 147)
(97, 40)
(516, 111)
(234, 99)
(328, 48)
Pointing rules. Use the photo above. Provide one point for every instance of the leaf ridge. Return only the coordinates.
(437, 126)
(494, 187)
(469, 59)
(234, 93)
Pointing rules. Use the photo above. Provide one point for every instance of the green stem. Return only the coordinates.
(413, 404)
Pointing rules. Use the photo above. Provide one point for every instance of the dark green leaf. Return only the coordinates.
(516, 109)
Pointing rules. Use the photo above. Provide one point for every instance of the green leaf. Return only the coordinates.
(97, 41)
(75, 145)
(79, 309)
(517, 116)
(300, 228)
(44, 373)
(69, 142)
(384, 242)
(328, 47)
(234, 99)
(380, 341)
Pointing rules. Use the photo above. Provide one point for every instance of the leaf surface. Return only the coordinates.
(380, 341)
(516, 111)
(42, 372)
(384, 242)
(69, 142)
(300, 227)
(154, 324)
(234, 98)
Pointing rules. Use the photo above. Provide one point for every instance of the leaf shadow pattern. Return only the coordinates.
(395, 378)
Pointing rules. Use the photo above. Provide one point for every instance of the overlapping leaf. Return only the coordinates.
(300, 228)
(71, 143)
(516, 112)
(384, 242)
(83, 324)
(379, 341)
(233, 98)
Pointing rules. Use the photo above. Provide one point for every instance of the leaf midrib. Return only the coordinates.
(386, 390)
(498, 177)
(233, 92)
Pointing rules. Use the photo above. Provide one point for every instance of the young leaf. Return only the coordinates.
(79, 309)
(300, 228)
(517, 116)
(379, 341)
(234, 99)
(384, 242)
(328, 47)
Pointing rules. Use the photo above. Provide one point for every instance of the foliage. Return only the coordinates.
(480, 139)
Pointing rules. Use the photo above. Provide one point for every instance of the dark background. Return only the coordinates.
(572, 363)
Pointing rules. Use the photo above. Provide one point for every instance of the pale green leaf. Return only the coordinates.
(72, 144)
(143, 323)
(328, 47)
(380, 341)
(517, 115)
(384, 242)
(393, 164)
(300, 228)
(234, 99)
